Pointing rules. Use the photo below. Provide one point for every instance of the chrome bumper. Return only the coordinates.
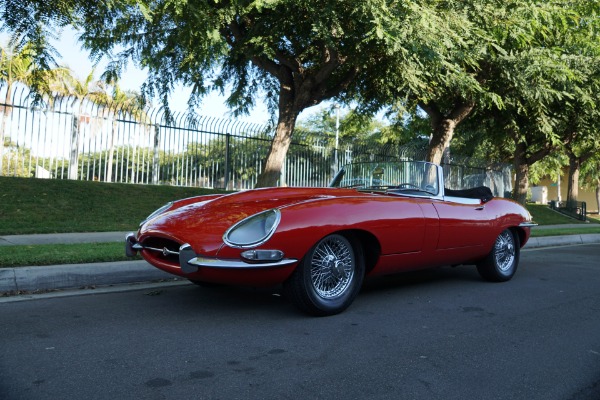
(190, 262)
(131, 245)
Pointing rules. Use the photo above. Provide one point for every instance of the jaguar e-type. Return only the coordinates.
(321, 243)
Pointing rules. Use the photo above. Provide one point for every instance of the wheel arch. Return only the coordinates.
(371, 247)
(519, 233)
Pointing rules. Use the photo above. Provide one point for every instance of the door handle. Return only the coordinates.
(480, 208)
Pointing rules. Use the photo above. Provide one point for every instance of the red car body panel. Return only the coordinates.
(400, 233)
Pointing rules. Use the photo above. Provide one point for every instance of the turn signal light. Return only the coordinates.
(262, 255)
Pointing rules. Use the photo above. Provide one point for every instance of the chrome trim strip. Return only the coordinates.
(218, 263)
(164, 250)
(137, 246)
(527, 224)
(463, 200)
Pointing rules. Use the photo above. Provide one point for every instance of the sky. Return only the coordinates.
(213, 105)
(77, 59)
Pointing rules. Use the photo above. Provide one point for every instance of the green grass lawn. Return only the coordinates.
(29, 205)
(52, 254)
(544, 215)
(52, 206)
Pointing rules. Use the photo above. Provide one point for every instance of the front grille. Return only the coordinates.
(163, 249)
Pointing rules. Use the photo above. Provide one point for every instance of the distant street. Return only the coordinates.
(441, 334)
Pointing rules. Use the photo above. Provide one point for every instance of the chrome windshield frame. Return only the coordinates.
(438, 169)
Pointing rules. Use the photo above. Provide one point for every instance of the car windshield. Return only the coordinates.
(404, 177)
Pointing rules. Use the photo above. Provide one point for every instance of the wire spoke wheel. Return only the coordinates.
(504, 251)
(501, 263)
(329, 276)
(332, 267)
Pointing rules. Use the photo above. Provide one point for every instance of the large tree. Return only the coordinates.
(533, 76)
(295, 54)
(513, 59)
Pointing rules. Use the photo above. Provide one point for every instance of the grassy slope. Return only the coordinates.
(50, 206)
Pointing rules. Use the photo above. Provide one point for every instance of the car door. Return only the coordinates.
(463, 223)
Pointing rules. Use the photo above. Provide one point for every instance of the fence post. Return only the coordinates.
(74, 156)
(227, 156)
(156, 160)
(2, 127)
(282, 179)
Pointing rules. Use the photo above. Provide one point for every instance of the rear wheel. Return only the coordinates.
(328, 278)
(502, 262)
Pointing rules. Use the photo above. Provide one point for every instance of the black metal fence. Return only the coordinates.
(574, 209)
(71, 138)
(75, 138)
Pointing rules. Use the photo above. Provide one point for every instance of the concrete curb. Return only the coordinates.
(550, 241)
(77, 275)
(66, 238)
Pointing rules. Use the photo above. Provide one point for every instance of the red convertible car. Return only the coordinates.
(320, 243)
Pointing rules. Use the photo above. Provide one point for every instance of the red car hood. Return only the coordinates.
(202, 224)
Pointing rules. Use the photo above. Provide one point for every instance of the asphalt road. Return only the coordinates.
(440, 334)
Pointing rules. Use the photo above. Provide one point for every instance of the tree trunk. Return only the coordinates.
(440, 140)
(522, 174)
(524, 158)
(521, 182)
(279, 147)
(598, 195)
(573, 183)
(443, 126)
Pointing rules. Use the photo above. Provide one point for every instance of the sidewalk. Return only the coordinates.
(72, 276)
(63, 238)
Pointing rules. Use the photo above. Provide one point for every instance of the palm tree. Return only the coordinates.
(15, 67)
(125, 102)
(67, 85)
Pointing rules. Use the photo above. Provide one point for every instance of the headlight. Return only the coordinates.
(157, 212)
(254, 230)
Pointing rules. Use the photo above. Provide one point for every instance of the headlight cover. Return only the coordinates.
(254, 230)
(157, 212)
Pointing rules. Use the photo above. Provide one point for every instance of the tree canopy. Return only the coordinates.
(294, 53)
(524, 69)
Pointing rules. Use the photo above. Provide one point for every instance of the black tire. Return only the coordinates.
(328, 278)
(502, 262)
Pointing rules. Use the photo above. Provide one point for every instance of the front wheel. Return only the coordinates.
(328, 278)
(502, 262)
